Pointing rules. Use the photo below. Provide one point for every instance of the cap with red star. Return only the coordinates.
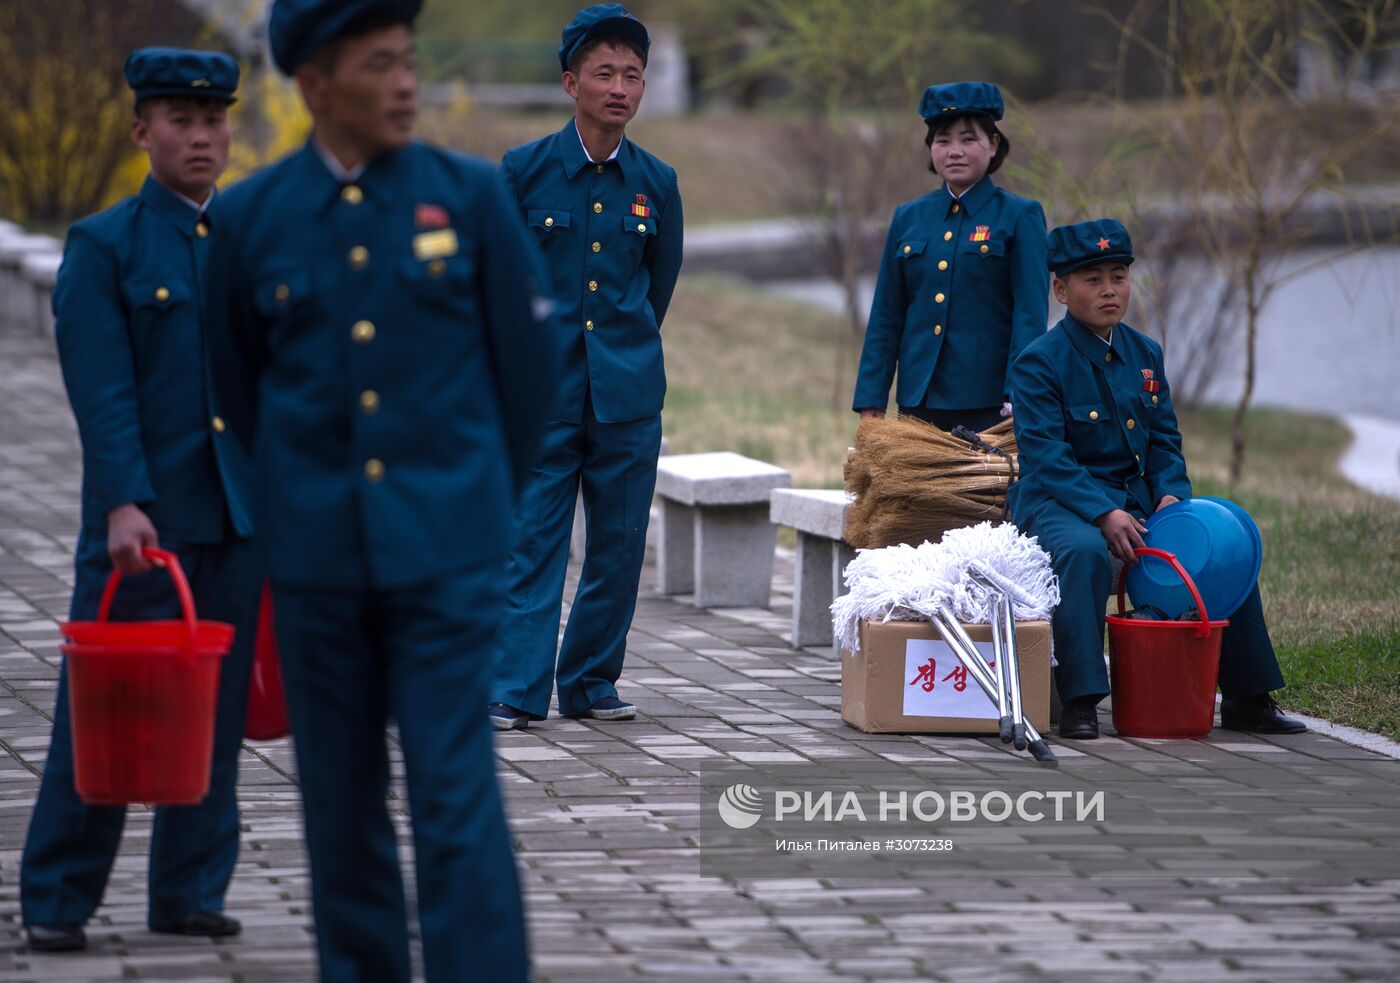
(1101, 240)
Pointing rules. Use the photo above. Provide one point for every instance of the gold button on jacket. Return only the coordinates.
(363, 332)
(359, 257)
(162, 294)
(351, 195)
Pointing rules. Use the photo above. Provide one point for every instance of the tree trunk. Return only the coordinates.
(1251, 354)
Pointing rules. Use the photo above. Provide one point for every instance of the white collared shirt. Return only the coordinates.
(611, 156)
(341, 173)
(198, 208)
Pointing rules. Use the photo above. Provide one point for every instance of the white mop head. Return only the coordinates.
(905, 583)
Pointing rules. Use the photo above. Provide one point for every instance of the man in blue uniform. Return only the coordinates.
(1100, 451)
(375, 328)
(607, 215)
(158, 469)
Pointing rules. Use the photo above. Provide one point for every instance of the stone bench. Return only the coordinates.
(16, 294)
(716, 541)
(39, 271)
(819, 516)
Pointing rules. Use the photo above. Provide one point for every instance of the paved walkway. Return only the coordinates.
(606, 816)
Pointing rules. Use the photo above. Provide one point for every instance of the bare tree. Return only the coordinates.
(1260, 160)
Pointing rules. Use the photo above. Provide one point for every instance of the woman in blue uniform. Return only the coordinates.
(963, 285)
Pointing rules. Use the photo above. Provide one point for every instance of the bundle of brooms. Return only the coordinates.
(913, 482)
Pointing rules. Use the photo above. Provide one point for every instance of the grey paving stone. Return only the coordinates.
(606, 816)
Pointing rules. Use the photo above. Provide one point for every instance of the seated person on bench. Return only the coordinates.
(1100, 451)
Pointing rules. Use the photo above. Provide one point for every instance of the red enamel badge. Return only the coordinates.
(430, 217)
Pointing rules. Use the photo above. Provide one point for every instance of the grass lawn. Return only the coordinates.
(754, 373)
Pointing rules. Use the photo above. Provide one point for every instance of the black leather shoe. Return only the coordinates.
(1079, 719)
(55, 938)
(1258, 715)
(213, 924)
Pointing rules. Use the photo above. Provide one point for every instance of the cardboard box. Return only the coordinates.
(891, 686)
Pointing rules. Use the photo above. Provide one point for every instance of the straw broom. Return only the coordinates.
(913, 482)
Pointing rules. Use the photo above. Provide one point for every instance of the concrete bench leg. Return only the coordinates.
(734, 547)
(840, 558)
(675, 555)
(812, 591)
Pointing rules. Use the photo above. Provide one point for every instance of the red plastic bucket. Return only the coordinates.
(1164, 673)
(143, 697)
(267, 700)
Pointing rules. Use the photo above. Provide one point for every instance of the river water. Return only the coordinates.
(1329, 336)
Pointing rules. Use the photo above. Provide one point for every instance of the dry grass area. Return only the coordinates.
(729, 162)
(736, 166)
(756, 374)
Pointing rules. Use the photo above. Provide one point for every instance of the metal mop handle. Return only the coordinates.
(1013, 668)
(1007, 671)
(981, 673)
(1003, 701)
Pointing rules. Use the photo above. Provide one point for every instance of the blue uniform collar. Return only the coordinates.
(177, 209)
(575, 158)
(973, 198)
(381, 178)
(1090, 345)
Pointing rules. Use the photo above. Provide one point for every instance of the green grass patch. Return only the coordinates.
(760, 375)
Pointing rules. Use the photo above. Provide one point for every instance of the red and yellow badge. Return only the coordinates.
(982, 234)
(1149, 384)
(640, 209)
(430, 217)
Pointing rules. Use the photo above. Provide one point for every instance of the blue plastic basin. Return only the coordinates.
(1218, 544)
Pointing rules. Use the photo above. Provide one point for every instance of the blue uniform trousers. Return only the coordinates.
(351, 660)
(1080, 557)
(70, 847)
(616, 465)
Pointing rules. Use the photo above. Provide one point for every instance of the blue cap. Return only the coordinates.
(209, 75)
(602, 20)
(960, 99)
(1102, 240)
(298, 28)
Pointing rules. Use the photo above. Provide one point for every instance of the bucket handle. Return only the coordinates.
(171, 563)
(1203, 626)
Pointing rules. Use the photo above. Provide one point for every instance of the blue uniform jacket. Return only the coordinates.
(962, 289)
(1091, 432)
(611, 236)
(378, 343)
(127, 318)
